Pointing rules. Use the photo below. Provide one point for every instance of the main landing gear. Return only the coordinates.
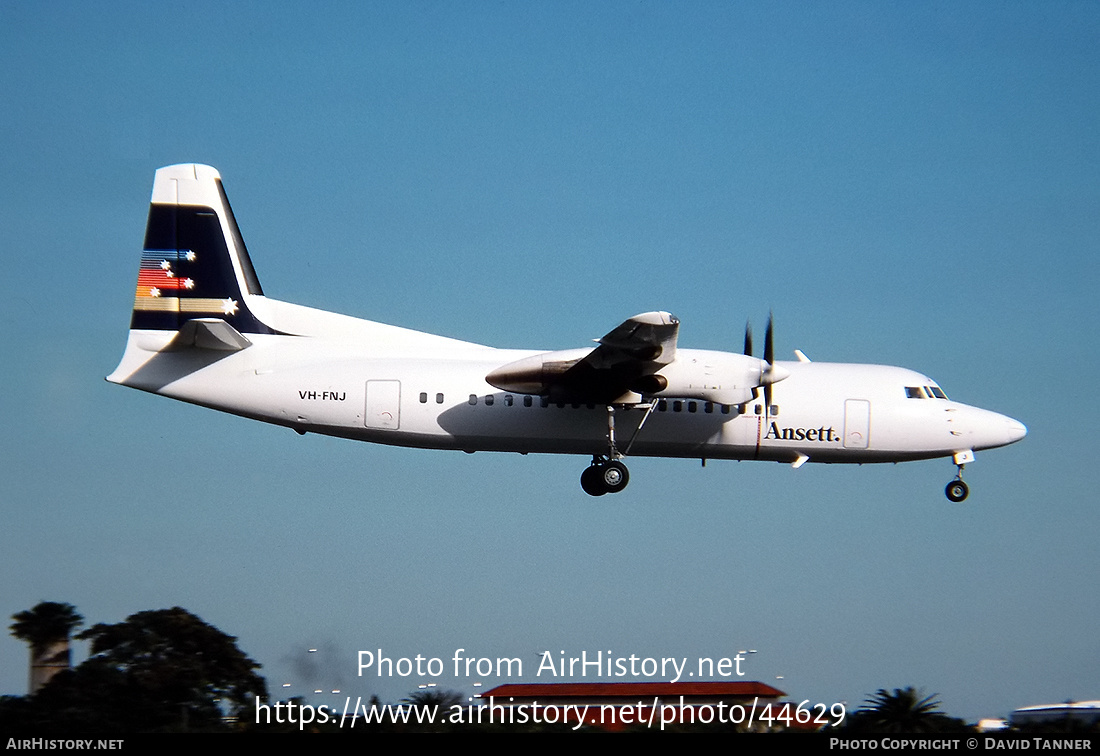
(607, 474)
(604, 476)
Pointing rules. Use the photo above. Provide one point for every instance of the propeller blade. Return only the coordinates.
(769, 356)
(769, 372)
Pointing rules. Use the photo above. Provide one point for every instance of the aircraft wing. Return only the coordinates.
(649, 338)
(626, 360)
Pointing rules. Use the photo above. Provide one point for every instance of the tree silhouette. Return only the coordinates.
(46, 627)
(904, 710)
(444, 699)
(159, 670)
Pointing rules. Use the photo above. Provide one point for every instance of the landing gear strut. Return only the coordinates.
(607, 474)
(957, 490)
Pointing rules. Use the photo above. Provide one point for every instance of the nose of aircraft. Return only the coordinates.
(1016, 430)
(989, 429)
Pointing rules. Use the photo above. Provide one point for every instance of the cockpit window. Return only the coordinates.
(924, 392)
(914, 392)
(936, 391)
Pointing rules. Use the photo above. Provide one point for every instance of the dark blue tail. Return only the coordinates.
(194, 263)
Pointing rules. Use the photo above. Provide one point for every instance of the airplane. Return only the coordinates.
(203, 331)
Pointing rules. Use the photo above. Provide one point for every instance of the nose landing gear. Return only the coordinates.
(957, 490)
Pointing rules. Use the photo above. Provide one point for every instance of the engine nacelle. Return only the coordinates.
(537, 373)
(719, 377)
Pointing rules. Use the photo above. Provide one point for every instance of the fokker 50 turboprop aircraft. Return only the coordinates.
(203, 332)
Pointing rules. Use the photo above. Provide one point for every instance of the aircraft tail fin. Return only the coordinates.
(194, 263)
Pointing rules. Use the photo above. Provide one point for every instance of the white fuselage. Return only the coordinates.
(357, 379)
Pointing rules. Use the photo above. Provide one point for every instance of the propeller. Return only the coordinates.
(769, 374)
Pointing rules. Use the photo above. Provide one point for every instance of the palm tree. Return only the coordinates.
(47, 628)
(444, 699)
(903, 710)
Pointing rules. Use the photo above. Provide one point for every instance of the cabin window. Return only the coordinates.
(692, 406)
(708, 407)
(488, 400)
(662, 406)
(741, 409)
(473, 398)
(677, 406)
(527, 401)
(758, 409)
(423, 397)
(544, 401)
(439, 398)
(507, 400)
(775, 410)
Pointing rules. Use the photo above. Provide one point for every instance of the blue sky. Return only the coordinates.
(915, 185)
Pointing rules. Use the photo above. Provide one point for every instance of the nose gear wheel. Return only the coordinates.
(956, 490)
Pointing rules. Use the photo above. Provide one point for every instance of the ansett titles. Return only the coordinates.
(800, 434)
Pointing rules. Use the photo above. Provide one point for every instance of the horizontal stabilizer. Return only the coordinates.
(209, 333)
